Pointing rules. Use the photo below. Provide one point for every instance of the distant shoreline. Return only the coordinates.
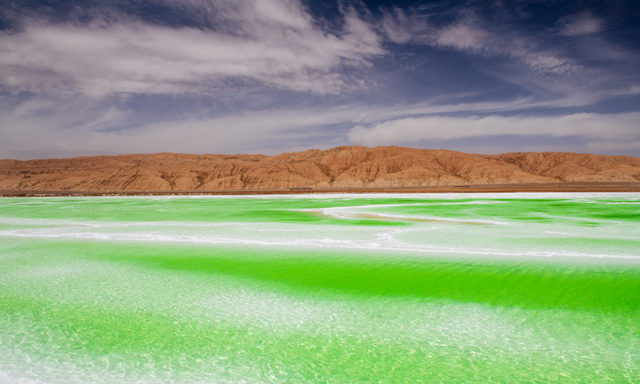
(501, 188)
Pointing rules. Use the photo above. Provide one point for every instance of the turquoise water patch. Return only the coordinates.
(304, 289)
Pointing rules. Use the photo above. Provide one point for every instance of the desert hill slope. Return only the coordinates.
(353, 166)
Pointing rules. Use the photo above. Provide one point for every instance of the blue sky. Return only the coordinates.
(83, 77)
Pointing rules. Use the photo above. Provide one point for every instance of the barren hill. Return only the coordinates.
(354, 166)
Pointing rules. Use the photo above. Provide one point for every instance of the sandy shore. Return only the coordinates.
(560, 187)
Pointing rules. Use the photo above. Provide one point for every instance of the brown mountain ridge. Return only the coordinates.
(354, 166)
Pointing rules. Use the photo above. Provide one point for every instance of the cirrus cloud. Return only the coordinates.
(581, 24)
(268, 42)
(622, 126)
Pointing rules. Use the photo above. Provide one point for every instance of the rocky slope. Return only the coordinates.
(337, 167)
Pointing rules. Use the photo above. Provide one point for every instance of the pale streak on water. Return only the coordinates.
(285, 289)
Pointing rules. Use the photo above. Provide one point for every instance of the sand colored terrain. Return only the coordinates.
(341, 167)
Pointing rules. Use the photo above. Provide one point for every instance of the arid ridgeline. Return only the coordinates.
(338, 167)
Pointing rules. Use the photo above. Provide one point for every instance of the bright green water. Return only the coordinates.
(338, 289)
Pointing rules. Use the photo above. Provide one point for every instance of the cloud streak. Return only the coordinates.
(269, 42)
(614, 127)
(580, 24)
(470, 34)
(74, 128)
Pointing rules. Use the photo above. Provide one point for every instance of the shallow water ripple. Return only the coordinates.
(326, 289)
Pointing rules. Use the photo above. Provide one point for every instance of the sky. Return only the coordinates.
(109, 77)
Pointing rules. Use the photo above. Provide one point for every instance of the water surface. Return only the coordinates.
(321, 288)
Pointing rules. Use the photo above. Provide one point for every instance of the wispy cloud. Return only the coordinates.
(265, 76)
(583, 23)
(611, 127)
(463, 37)
(469, 33)
(270, 42)
(74, 127)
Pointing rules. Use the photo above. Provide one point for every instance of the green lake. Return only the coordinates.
(387, 288)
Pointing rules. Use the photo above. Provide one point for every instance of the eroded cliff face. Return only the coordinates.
(354, 166)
